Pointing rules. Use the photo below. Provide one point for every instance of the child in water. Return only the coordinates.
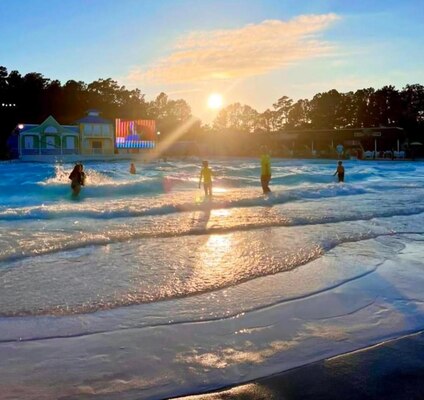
(340, 172)
(206, 174)
(132, 169)
(77, 177)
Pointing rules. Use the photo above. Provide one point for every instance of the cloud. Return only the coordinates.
(254, 49)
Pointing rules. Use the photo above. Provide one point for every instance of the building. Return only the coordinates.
(97, 134)
(353, 141)
(92, 138)
(48, 139)
(134, 136)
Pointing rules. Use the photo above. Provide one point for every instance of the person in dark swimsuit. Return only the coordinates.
(340, 172)
(77, 177)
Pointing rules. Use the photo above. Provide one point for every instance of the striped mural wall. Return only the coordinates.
(135, 134)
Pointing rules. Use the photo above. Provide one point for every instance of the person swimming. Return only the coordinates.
(265, 172)
(206, 174)
(340, 172)
(132, 169)
(77, 177)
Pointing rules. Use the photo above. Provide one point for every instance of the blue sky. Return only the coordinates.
(251, 51)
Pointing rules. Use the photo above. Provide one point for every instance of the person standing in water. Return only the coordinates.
(77, 177)
(265, 171)
(206, 174)
(132, 169)
(340, 172)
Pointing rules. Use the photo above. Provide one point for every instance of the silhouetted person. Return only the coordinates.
(132, 169)
(340, 172)
(206, 174)
(265, 172)
(77, 177)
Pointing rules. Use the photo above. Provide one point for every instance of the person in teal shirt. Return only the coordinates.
(265, 172)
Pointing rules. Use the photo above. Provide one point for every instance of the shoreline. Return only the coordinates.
(392, 369)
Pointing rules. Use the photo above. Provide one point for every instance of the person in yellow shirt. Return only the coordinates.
(206, 174)
(265, 172)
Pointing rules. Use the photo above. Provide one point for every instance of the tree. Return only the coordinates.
(282, 109)
(237, 117)
(326, 110)
(299, 115)
(412, 118)
(3, 80)
(267, 122)
(171, 115)
(385, 106)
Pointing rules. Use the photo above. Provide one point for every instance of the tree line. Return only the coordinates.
(332, 110)
(32, 97)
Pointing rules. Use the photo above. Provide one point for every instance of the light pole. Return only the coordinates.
(157, 150)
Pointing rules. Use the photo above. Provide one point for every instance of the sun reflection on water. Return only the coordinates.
(222, 212)
(219, 243)
(215, 258)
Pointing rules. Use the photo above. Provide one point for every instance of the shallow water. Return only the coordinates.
(141, 289)
(131, 239)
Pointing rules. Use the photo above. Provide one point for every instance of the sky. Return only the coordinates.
(250, 51)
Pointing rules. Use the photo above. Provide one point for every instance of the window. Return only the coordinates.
(106, 129)
(97, 145)
(88, 129)
(97, 129)
(28, 142)
(50, 142)
(50, 129)
(70, 142)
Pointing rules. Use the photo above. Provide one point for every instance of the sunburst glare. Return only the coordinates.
(215, 101)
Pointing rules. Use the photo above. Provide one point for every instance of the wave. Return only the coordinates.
(45, 184)
(174, 284)
(30, 244)
(135, 207)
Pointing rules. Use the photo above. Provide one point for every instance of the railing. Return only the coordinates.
(29, 152)
(98, 134)
(46, 152)
(50, 151)
(70, 151)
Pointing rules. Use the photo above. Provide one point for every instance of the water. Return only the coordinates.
(141, 289)
(131, 239)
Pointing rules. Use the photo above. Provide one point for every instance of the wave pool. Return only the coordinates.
(141, 288)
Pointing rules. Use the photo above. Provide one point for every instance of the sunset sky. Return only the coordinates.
(250, 51)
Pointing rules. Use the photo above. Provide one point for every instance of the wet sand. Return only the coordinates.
(390, 370)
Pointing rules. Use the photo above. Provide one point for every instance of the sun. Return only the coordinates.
(215, 101)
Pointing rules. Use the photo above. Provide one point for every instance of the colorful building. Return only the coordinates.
(97, 134)
(48, 138)
(133, 136)
(92, 138)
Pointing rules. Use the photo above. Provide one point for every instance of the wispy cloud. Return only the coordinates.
(254, 49)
